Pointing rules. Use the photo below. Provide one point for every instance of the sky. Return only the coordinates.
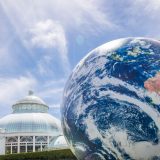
(41, 41)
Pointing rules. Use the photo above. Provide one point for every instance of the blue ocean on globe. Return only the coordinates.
(111, 102)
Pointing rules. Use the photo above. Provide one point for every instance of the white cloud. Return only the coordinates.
(13, 89)
(51, 92)
(55, 83)
(90, 14)
(147, 5)
(51, 95)
(55, 106)
(48, 22)
(7, 58)
(48, 34)
(84, 15)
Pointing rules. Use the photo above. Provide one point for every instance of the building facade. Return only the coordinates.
(29, 128)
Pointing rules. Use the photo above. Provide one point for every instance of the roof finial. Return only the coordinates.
(30, 92)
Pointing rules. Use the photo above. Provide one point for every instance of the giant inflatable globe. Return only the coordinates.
(111, 103)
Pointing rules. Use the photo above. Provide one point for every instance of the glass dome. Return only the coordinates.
(30, 122)
(30, 104)
(30, 115)
(59, 142)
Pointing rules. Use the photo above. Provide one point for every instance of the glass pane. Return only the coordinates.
(37, 148)
(29, 148)
(14, 149)
(8, 149)
(22, 148)
(43, 146)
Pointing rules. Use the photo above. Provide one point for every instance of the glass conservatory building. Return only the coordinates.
(30, 128)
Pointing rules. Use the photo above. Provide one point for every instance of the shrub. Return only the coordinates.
(64, 154)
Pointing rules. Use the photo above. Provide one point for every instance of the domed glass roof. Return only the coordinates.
(30, 122)
(30, 104)
(59, 142)
(31, 99)
(30, 115)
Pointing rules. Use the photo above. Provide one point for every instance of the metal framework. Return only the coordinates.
(19, 144)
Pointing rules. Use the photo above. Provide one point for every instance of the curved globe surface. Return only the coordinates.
(111, 103)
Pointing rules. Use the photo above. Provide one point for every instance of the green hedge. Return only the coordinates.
(64, 154)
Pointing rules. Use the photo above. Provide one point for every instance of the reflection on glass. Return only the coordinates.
(14, 149)
(43, 147)
(37, 148)
(29, 148)
(8, 149)
(22, 148)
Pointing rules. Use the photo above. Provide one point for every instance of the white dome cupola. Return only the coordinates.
(30, 104)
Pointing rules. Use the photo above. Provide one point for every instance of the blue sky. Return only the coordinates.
(41, 41)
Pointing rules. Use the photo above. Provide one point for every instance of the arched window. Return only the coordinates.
(11, 139)
(26, 139)
(41, 139)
